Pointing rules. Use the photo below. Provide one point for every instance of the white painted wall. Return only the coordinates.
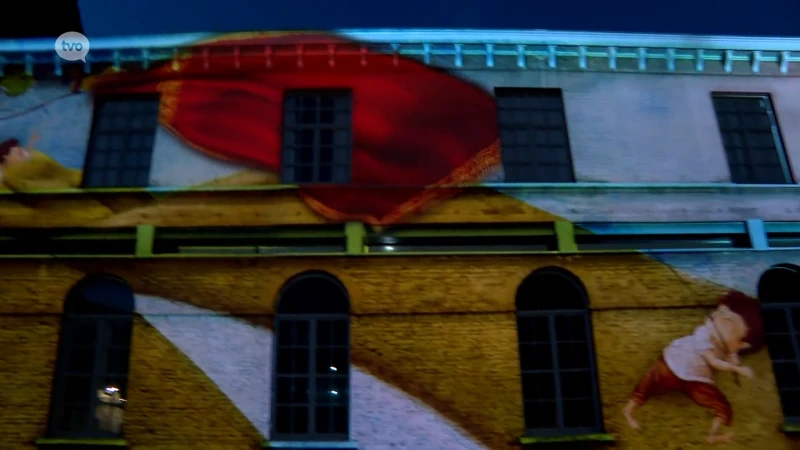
(652, 128)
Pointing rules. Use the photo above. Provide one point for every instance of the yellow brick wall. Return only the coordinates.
(439, 328)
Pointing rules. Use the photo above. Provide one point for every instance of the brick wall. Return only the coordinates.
(457, 352)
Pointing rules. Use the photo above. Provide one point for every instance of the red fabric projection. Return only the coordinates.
(412, 125)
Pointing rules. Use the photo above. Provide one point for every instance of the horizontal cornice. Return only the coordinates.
(493, 49)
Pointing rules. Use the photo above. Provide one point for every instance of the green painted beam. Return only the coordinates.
(393, 254)
(565, 235)
(93, 235)
(266, 233)
(356, 235)
(545, 229)
(145, 236)
(87, 442)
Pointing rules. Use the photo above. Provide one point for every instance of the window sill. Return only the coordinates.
(65, 443)
(311, 445)
(791, 429)
(600, 438)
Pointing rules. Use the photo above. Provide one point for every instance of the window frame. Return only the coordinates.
(518, 92)
(101, 345)
(91, 154)
(793, 330)
(312, 435)
(289, 151)
(775, 130)
(555, 370)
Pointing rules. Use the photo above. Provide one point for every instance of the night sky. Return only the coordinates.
(728, 17)
(32, 18)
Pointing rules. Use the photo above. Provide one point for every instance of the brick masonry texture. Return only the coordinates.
(439, 328)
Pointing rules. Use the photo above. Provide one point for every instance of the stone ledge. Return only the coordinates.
(311, 445)
(792, 429)
(600, 438)
(78, 443)
(583, 188)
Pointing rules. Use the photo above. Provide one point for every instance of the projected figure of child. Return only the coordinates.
(688, 364)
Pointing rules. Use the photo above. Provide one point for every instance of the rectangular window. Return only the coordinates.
(121, 143)
(317, 137)
(559, 385)
(751, 139)
(89, 399)
(533, 135)
(312, 379)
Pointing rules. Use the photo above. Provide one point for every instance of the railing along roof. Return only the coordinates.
(498, 49)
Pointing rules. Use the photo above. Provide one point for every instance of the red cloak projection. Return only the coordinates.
(415, 128)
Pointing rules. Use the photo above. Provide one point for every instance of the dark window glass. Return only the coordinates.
(317, 137)
(751, 139)
(779, 292)
(91, 378)
(559, 381)
(533, 134)
(121, 143)
(312, 360)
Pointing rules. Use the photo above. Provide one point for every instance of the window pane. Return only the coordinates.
(293, 332)
(283, 420)
(533, 329)
(78, 389)
(293, 360)
(323, 419)
(790, 401)
(110, 409)
(579, 413)
(538, 386)
(775, 321)
(341, 419)
(117, 360)
(332, 361)
(299, 419)
(80, 360)
(781, 346)
(120, 331)
(341, 332)
(331, 390)
(74, 417)
(285, 331)
(786, 374)
(292, 390)
(83, 332)
(571, 328)
(540, 414)
(573, 356)
(536, 356)
(576, 384)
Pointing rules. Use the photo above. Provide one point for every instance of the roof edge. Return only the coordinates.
(574, 38)
(454, 36)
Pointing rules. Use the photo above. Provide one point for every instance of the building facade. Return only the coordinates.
(401, 239)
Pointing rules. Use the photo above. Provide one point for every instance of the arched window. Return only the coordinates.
(779, 292)
(556, 348)
(311, 385)
(91, 378)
